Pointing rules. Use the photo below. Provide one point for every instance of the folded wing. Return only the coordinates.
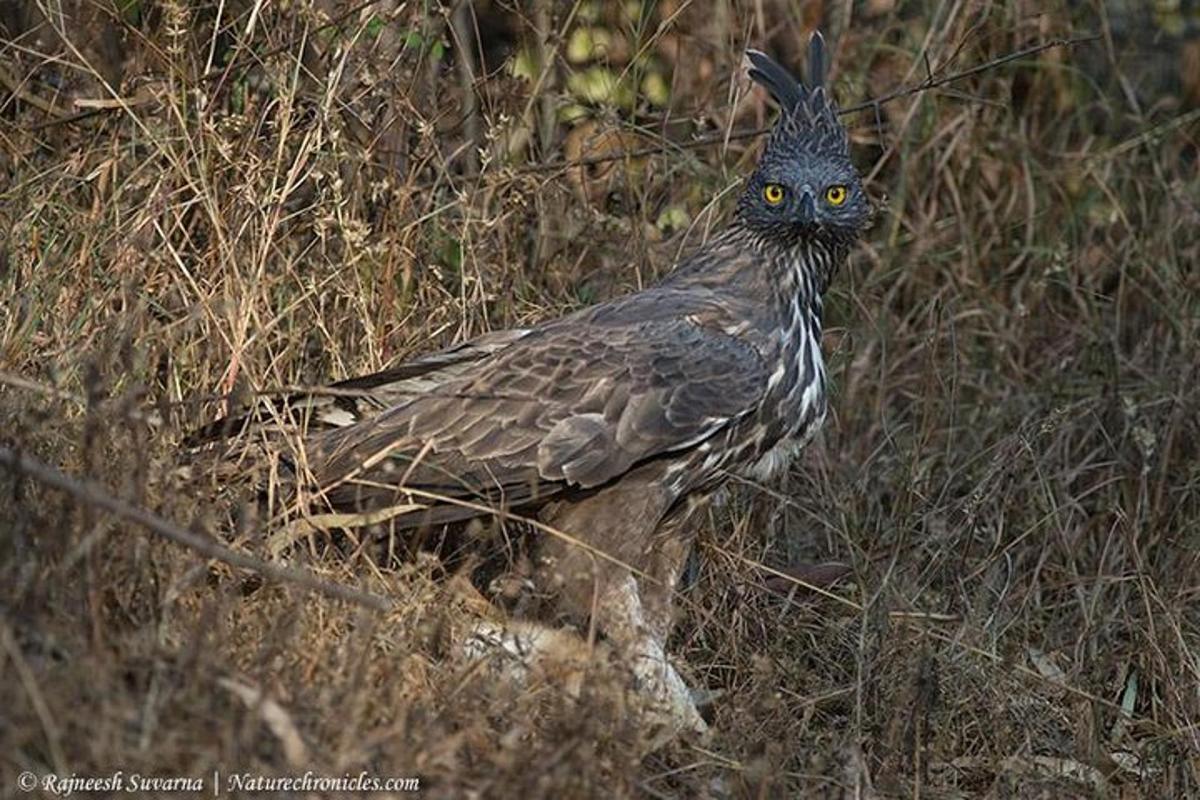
(572, 405)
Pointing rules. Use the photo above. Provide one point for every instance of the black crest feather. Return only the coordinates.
(783, 86)
(766, 72)
(818, 63)
(807, 107)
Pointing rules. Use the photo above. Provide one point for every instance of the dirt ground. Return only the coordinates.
(206, 199)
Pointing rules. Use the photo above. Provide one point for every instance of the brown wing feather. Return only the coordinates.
(351, 401)
(573, 404)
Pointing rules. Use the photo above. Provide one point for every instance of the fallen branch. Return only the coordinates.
(92, 493)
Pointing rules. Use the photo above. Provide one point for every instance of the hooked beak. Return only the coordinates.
(808, 208)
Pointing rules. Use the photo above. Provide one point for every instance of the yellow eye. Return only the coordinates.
(773, 194)
(835, 195)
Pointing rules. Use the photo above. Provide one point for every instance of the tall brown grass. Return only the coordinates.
(200, 200)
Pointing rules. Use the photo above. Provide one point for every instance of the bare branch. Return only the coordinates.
(873, 104)
(88, 491)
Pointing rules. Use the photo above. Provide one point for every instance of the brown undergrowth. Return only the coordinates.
(199, 200)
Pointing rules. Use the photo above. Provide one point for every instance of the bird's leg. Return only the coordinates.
(664, 561)
(668, 702)
(627, 588)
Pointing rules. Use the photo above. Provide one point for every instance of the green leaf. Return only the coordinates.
(130, 11)
(413, 40)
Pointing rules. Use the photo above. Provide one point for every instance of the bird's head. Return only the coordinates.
(804, 185)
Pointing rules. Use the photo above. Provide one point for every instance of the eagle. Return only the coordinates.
(608, 428)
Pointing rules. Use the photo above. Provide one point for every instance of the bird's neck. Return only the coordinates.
(789, 273)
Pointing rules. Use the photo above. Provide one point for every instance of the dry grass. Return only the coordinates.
(1012, 468)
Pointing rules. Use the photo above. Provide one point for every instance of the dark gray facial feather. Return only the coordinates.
(807, 153)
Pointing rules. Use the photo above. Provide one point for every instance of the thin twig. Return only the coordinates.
(932, 83)
(18, 90)
(462, 28)
(92, 493)
(918, 621)
(222, 72)
(873, 104)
